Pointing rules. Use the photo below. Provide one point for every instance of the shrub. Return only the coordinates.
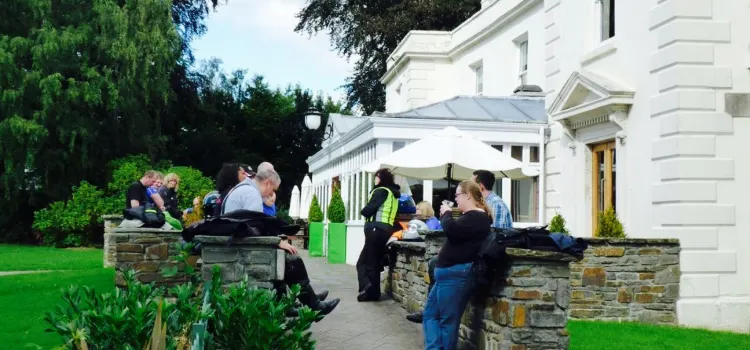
(73, 223)
(192, 184)
(316, 214)
(609, 225)
(558, 225)
(336, 209)
(283, 214)
(238, 317)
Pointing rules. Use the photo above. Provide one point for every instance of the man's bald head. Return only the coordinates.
(265, 166)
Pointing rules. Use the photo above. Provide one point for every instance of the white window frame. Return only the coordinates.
(601, 16)
(479, 79)
(523, 60)
(507, 187)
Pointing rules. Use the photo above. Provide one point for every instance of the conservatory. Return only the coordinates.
(515, 125)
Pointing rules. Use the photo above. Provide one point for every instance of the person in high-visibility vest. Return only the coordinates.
(380, 214)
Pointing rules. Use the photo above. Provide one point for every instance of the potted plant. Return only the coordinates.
(336, 228)
(316, 228)
(557, 225)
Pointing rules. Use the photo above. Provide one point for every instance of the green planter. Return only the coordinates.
(315, 246)
(336, 243)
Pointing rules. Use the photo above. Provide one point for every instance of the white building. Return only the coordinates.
(646, 113)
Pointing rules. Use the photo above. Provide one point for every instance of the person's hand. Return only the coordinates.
(270, 200)
(287, 247)
(444, 208)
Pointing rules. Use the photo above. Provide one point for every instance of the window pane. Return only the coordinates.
(524, 53)
(516, 152)
(525, 199)
(397, 145)
(534, 154)
(498, 147)
(479, 72)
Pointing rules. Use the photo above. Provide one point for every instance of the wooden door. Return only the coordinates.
(603, 180)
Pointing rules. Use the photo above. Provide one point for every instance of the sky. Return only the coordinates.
(258, 35)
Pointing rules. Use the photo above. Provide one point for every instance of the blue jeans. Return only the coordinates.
(445, 304)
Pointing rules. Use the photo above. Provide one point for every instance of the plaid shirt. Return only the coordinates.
(500, 212)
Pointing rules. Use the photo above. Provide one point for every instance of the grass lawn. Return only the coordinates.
(27, 258)
(611, 336)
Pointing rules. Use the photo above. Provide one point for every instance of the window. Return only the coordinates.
(534, 154)
(525, 200)
(397, 145)
(479, 78)
(523, 49)
(606, 18)
(516, 152)
(603, 181)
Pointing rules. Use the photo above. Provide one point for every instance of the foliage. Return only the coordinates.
(283, 214)
(558, 225)
(371, 30)
(316, 214)
(609, 225)
(122, 319)
(239, 317)
(336, 208)
(251, 318)
(73, 223)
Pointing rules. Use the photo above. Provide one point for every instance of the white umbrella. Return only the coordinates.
(305, 198)
(294, 203)
(450, 153)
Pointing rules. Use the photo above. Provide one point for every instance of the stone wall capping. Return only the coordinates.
(418, 247)
(527, 254)
(226, 240)
(633, 241)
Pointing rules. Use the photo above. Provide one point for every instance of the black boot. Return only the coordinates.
(308, 297)
(322, 295)
(415, 317)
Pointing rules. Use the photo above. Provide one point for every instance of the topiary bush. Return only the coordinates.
(609, 225)
(336, 209)
(558, 225)
(316, 214)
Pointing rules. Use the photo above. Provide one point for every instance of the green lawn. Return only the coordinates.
(27, 258)
(613, 336)
(25, 298)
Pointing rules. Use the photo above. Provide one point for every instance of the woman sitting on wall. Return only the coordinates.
(168, 193)
(454, 282)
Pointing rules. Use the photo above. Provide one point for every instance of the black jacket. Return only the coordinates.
(240, 223)
(377, 200)
(169, 195)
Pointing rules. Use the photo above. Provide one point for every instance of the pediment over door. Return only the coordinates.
(587, 99)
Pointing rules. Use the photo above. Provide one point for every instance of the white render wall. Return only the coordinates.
(682, 155)
(430, 66)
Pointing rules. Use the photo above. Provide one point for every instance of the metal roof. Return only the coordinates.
(511, 109)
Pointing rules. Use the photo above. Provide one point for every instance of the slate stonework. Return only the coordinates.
(145, 251)
(627, 280)
(258, 258)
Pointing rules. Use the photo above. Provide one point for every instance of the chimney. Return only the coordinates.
(529, 90)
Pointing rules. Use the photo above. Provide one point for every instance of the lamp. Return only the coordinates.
(312, 121)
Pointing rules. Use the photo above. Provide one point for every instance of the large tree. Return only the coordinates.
(371, 30)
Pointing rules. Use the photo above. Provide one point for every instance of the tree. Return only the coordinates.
(79, 83)
(371, 30)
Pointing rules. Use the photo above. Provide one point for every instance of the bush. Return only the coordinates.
(238, 317)
(78, 222)
(74, 223)
(609, 225)
(558, 225)
(283, 214)
(336, 209)
(316, 214)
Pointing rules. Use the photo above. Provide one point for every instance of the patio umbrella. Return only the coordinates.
(305, 198)
(450, 153)
(294, 203)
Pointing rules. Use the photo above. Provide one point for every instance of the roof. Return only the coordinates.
(511, 109)
(345, 123)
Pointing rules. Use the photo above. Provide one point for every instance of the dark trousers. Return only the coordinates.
(370, 262)
(294, 270)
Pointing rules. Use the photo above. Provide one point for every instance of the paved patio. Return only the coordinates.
(359, 326)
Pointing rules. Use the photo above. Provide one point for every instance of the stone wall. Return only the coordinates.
(258, 258)
(526, 307)
(110, 224)
(145, 251)
(627, 280)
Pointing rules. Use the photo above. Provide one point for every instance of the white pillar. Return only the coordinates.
(427, 190)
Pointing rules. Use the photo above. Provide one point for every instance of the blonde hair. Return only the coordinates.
(170, 177)
(475, 193)
(425, 208)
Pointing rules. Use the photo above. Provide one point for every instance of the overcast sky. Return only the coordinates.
(258, 35)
